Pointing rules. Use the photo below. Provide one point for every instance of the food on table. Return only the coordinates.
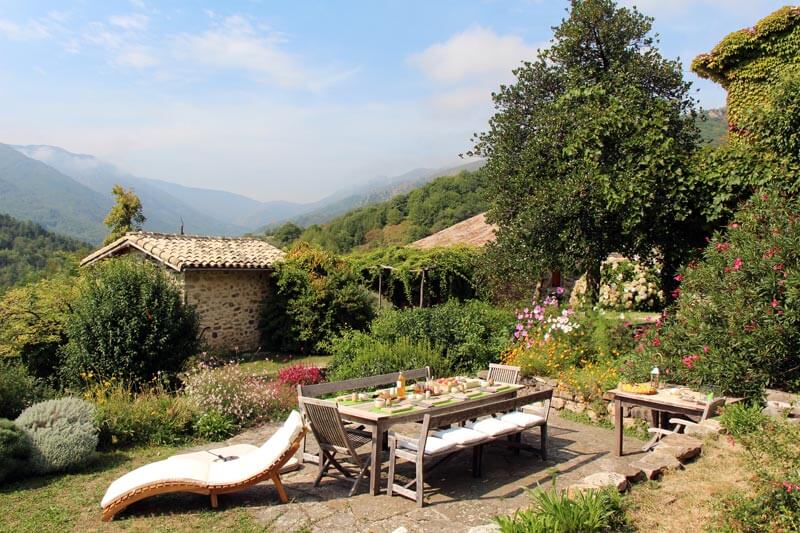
(637, 388)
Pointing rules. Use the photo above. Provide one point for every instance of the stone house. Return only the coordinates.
(225, 279)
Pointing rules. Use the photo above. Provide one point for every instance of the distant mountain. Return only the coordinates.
(373, 192)
(164, 204)
(713, 126)
(31, 190)
(29, 252)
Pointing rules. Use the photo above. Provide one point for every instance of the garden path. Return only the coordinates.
(456, 501)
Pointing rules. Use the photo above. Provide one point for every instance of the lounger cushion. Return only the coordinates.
(493, 427)
(169, 470)
(461, 436)
(237, 450)
(523, 420)
(433, 445)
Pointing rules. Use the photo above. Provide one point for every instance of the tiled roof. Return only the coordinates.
(182, 252)
(473, 231)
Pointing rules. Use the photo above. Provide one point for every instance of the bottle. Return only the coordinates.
(654, 375)
(401, 385)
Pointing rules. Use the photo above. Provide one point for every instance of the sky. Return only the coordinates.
(290, 100)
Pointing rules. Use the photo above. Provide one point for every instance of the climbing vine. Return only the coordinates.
(748, 62)
(398, 273)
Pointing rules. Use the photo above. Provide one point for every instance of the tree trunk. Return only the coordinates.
(593, 282)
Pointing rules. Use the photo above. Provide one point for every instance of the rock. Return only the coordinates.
(602, 480)
(776, 409)
(771, 395)
(622, 466)
(577, 488)
(402, 529)
(681, 447)
(654, 464)
(557, 404)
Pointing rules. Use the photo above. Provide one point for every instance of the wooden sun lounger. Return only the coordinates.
(186, 474)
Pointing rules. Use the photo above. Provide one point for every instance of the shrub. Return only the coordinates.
(470, 335)
(150, 416)
(213, 425)
(736, 325)
(62, 434)
(18, 389)
(244, 399)
(299, 374)
(629, 285)
(773, 455)
(129, 321)
(15, 449)
(357, 354)
(586, 512)
(314, 296)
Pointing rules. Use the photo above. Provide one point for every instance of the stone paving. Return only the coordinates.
(455, 500)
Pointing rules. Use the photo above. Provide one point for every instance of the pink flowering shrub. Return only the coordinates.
(241, 397)
(300, 374)
(735, 327)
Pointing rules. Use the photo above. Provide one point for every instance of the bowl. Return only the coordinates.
(380, 402)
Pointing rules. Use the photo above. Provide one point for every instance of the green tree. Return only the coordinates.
(286, 234)
(125, 216)
(589, 151)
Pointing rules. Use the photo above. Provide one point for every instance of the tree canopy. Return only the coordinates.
(589, 150)
(125, 216)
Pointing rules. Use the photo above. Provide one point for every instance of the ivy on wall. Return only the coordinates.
(748, 62)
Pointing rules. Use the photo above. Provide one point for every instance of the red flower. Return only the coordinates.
(723, 246)
(734, 226)
(705, 349)
(656, 342)
(676, 293)
(774, 303)
(678, 278)
(778, 267)
(737, 263)
(727, 269)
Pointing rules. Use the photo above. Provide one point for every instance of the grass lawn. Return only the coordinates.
(685, 500)
(72, 502)
(272, 364)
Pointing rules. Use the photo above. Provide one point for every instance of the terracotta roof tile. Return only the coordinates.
(193, 251)
(474, 231)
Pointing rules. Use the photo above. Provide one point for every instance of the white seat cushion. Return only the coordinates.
(523, 420)
(493, 427)
(461, 436)
(177, 470)
(433, 445)
(235, 451)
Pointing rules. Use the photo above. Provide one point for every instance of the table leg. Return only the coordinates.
(618, 427)
(376, 463)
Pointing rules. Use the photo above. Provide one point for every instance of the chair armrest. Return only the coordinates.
(400, 438)
(681, 422)
(659, 431)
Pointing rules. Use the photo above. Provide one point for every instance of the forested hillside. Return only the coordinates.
(406, 217)
(28, 251)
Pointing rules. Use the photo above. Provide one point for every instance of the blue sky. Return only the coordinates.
(289, 100)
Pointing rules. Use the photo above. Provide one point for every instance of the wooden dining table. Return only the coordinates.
(661, 404)
(379, 422)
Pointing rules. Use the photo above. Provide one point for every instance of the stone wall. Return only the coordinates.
(229, 304)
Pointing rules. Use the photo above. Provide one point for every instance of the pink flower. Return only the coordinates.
(690, 360)
(737, 263)
(734, 226)
(723, 246)
(774, 303)
(559, 290)
(678, 278)
(705, 349)
(656, 342)
(676, 293)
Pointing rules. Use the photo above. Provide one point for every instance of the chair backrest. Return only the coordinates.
(329, 387)
(712, 408)
(504, 373)
(326, 424)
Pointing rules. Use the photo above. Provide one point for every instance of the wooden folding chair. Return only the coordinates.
(334, 438)
(503, 373)
(681, 424)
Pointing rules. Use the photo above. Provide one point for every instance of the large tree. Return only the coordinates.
(588, 151)
(125, 216)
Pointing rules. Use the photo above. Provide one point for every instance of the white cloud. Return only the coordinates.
(235, 44)
(129, 22)
(475, 53)
(138, 57)
(30, 31)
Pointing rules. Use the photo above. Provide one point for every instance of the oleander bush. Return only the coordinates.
(148, 416)
(592, 511)
(735, 328)
(15, 449)
(300, 374)
(129, 322)
(62, 434)
(470, 335)
(357, 354)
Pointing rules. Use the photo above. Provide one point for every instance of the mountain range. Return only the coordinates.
(71, 193)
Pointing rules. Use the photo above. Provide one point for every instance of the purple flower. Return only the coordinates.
(559, 290)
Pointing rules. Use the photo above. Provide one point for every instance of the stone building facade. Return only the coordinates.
(225, 279)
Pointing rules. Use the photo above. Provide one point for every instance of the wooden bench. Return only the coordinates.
(430, 447)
